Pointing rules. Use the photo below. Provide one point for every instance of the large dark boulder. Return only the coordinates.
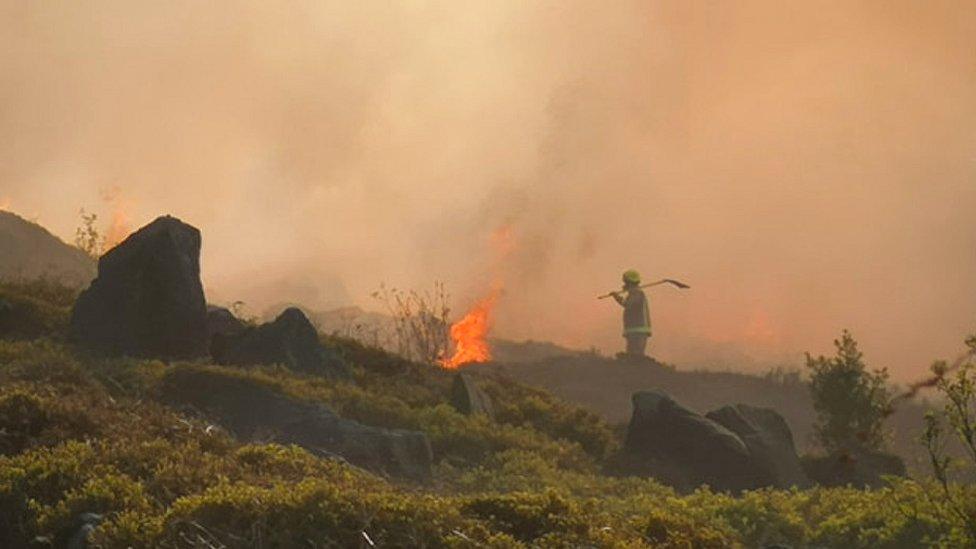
(147, 300)
(769, 441)
(220, 320)
(221, 326)
(858, 468)
(290, 340)
(468, 398)
(683, 448)
(254, 411)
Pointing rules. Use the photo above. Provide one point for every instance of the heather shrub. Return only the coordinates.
(80, 434)
(530, 516)
(35, 308)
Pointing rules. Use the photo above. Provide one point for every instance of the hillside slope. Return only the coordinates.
(28, 250)
(89, 447)
(605, 385)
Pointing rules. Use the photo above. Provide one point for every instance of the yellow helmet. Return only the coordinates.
(631, 277)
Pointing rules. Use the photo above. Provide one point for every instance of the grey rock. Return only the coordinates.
(222, 325)
(257, 412)
(147, 300)
(290, 340)
(221, 320)
(668, 437)
(468, 398)
(769, 441)
(75, 535)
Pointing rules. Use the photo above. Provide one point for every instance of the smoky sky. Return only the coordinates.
(805, 166)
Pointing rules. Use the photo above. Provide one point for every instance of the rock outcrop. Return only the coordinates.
(468, 398)
(221, 321)
(666, 439)
(147, 299)
(290, 340)
(734, 448)
(222, 325)
(769, 441)
(257, 412)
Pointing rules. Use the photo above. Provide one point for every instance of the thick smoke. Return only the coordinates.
(806, 166)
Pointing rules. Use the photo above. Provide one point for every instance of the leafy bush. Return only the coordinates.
(529, 516)
(517, 404)
(663, 529)
(35, 308)
(851, 402)
(958, 388)
(86, 435)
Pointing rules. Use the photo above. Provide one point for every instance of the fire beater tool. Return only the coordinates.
(675, 283)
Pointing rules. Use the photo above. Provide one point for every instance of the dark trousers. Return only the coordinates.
(636, 344)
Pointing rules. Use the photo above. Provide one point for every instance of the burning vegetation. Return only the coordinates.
(104, 427)
(96, 241)
(469, 335)
(120, 224)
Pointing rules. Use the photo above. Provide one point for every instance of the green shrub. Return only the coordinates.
(664, 529)
(314, 512)
(106, 494)
(529, 516)
(84, 434)
(22, 418)
(32, 483)
(34, 309)
(956, 384)
(457, 438)
(383, 378)
(523, 406)
(851, 402)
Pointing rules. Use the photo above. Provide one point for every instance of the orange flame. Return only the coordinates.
(469, 334)
(121, 224)
(119, 229)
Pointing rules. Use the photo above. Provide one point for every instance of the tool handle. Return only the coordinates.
(648, 285)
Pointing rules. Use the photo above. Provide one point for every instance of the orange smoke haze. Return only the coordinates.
(805, 166)
(4, 204)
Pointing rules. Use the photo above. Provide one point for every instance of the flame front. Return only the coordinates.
(119, 229)
(469, 334)
(121, 224)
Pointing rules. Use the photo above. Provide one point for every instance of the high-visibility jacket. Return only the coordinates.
(637, 316)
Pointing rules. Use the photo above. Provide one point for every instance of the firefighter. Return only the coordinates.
(637, 317)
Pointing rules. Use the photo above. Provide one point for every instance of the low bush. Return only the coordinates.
(85, 435)
(34, 309)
